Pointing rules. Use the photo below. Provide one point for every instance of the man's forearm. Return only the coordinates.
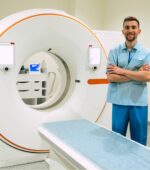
(117, 78)
(140, 75)
(137, 75)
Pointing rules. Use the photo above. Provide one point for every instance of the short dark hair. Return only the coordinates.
(131, 18)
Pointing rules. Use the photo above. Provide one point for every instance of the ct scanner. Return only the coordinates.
(53, 76)
(62, 42)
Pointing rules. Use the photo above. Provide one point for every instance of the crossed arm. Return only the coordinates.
(117, 74)
(113, 77)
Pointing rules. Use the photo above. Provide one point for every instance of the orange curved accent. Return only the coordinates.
(16, 146)
(51, 14)
(97, 81)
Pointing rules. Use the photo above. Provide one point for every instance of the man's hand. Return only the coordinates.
(145, 67)
(116, 74)
(113, 69)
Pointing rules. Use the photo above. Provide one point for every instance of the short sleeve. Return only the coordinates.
(147, 59)
(111, 58)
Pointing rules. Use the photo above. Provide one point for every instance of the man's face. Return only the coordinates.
(131, 30)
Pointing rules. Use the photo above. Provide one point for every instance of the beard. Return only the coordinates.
(130, 37)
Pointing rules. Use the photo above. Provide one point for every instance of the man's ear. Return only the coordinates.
(139, 31)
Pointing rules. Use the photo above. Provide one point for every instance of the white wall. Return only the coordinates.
(8, 7)
(89, 11)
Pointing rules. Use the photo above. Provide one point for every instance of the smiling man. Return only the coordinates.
(127, 71)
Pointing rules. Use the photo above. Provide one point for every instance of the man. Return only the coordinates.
(128, 72)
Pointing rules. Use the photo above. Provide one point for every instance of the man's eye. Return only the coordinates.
(127, 27)
(133, 27)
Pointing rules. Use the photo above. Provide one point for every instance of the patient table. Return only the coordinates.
(86, 145)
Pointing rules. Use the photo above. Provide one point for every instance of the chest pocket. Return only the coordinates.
(137, 62)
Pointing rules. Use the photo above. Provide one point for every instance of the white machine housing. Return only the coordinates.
(33, 33)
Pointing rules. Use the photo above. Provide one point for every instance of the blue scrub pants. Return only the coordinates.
(137, 116)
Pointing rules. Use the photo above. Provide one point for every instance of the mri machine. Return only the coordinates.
(55, 71)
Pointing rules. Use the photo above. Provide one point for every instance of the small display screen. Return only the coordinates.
(6, 54)
(94, 56)
(34, 68)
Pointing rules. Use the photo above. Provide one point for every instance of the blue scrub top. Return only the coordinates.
(132, 93)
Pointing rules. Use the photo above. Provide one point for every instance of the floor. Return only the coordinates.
(32, 166)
